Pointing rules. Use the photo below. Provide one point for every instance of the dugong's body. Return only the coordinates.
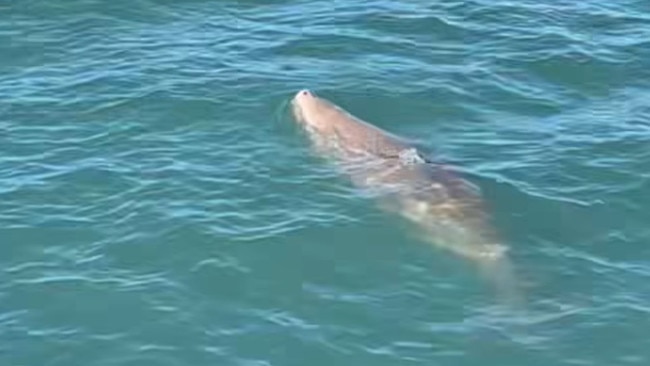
(448, 209)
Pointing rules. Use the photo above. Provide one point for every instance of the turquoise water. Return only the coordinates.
(159, 207)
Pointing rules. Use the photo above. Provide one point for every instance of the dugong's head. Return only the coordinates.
(314, 113)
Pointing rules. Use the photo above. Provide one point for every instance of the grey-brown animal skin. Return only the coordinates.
(448, 209)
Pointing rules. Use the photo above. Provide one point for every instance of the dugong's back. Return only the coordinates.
(377, 160)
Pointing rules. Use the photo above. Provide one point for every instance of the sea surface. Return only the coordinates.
(159, 206)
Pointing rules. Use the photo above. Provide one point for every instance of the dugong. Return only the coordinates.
(448, 210)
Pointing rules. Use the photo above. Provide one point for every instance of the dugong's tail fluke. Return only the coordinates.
(492, 261)
(499, 272)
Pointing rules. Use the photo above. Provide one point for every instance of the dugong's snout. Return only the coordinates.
(299, 102)
(303, 96)
(304, 93)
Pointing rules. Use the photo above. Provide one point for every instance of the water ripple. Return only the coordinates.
(156, 208)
